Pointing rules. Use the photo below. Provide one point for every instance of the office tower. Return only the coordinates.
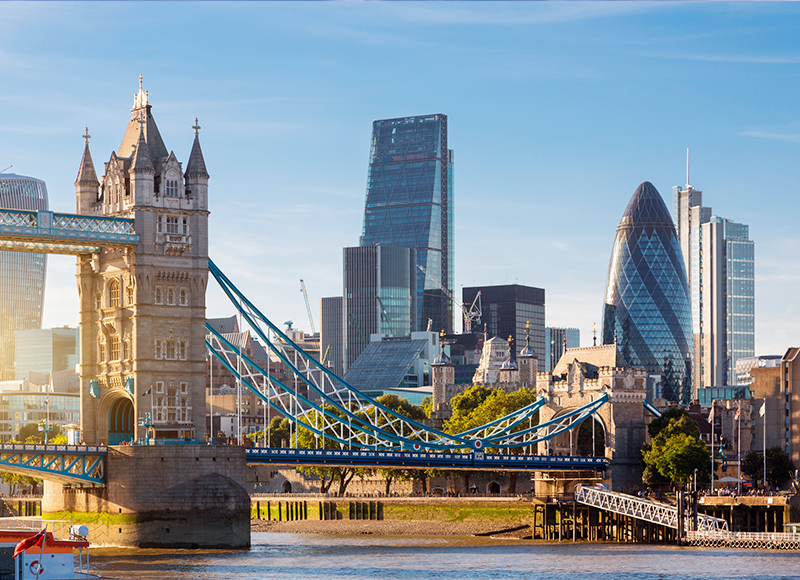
(720, 258)
(410, 204)
(331, 334)
(555, 339)
(510, 311)
(21, 274)
(45, 350)
(379, 295)
(646, 307)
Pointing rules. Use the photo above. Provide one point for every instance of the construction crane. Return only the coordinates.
(384, 314)
(470, 314)
(308, 307)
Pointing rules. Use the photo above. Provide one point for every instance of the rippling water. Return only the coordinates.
(318, 557)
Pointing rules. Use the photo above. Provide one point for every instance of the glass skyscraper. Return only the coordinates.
(409, 203)
(379, 295)
(21, 274)
(720, 258)
(555, 339)
(511, 311)
(646, 310)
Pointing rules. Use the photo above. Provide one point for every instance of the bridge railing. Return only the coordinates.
(100, 224)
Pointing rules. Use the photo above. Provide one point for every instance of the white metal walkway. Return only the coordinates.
(643, 509)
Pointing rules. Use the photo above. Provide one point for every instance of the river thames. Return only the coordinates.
(368, 557)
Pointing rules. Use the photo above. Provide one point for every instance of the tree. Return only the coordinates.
(405, 408)
(307, 439)
(479, 405)
(279, 431)
(779, 466)
(660, 423)
(675, 452)
(30, 433)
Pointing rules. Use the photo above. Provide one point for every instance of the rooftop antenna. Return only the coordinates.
(6, 169)
(687, 169)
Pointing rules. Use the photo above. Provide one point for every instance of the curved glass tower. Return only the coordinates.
(646, 309)
(21, 274)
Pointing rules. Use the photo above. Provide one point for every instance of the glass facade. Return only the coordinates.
(45, 350)
(22, 274)
(379, 295)
(409, 203)
(646, 309)
(554, 339)
(720, 259)
(739, 294)
(511, 311)
(20, 408)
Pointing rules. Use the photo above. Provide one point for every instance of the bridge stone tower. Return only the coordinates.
(142, 319)
(580, 377)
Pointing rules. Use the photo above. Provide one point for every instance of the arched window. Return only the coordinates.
(101, 351)
(113, 294)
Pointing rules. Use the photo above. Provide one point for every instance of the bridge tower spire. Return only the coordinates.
(86, 183)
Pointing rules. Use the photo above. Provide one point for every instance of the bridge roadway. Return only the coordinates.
(72, 464)
(63, 233)
(419, 459)
(85, 464)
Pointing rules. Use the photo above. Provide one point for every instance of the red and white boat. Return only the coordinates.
(45, 550)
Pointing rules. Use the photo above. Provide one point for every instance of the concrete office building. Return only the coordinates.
(22, 274)
(409, 203)
(331, 334)
(511, 310)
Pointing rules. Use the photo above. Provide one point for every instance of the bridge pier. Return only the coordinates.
(162, 496)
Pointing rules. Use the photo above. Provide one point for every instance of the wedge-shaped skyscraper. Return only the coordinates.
(646, 309)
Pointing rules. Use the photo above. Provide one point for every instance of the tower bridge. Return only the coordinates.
(140, 235)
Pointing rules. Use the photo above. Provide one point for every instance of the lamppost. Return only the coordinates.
(45, 425)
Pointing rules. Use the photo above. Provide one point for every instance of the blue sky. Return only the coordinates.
(557, 112)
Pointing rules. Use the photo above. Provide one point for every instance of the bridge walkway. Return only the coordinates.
(643, 509)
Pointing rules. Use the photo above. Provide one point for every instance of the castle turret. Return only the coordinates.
(196, 176)
(528, 364)
(86, 183)
(142, 172)
(444, 380)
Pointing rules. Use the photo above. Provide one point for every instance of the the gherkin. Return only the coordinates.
(646, 309)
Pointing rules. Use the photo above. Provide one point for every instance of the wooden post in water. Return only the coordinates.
(280, 516)
(258, 510)
(269, 511)
(574, 519)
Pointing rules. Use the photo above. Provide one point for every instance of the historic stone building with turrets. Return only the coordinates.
(581, 376)
(142, 316)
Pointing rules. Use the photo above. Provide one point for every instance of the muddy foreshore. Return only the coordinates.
(391, 528)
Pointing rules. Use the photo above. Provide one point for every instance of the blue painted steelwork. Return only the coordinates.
(339, 414)
(651, 408)
(60, 233)
(81, 464)
(409, 459)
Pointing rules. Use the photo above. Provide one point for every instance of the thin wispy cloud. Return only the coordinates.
(773, 136)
